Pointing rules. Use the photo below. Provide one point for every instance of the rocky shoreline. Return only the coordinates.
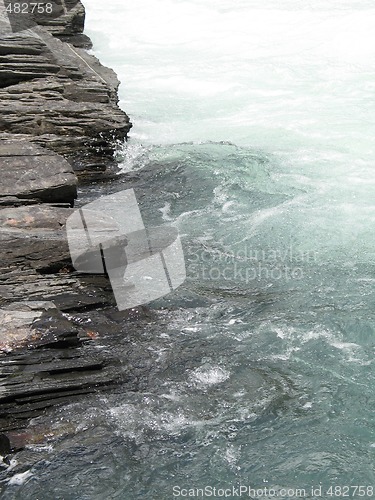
(59, 123)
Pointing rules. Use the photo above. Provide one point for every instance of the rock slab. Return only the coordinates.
(31, 172)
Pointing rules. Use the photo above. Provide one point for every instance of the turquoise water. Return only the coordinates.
(253, 135)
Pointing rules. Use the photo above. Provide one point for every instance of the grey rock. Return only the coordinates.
(57, 94)
(35, 261)
(54, 98)
(16, 322)
(23, 57)
(34, 237)
(72, 22)
(69, 293)
(28, 171)
(51, 365)
(67, 24)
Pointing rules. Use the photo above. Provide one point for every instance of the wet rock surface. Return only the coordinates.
(58, 118)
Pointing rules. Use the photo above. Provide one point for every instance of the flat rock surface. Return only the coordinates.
(29, 171)
(35, 260)
(16, 321)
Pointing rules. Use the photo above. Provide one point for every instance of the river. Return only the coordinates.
(253, 135)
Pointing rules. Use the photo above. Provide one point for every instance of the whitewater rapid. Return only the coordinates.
(253, 135)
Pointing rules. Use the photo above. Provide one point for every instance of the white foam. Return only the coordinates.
(293, 77)
(20, 479)
(207, 376)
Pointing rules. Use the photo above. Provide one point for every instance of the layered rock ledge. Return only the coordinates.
(55, 94)
(59, 119)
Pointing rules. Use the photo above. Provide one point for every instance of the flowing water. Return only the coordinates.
(253, 135)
